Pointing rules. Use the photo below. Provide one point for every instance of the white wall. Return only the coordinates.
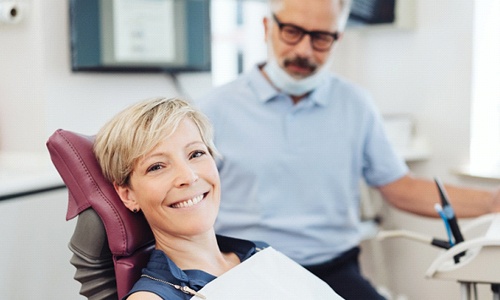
(424, 71)
(39, 93)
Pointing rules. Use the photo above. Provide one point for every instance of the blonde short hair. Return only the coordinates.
(138, 129)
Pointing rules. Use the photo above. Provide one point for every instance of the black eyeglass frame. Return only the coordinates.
(312, 34)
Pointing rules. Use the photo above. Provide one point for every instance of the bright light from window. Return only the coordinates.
(485, 143)
(237, 37)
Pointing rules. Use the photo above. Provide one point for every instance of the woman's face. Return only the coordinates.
(176, 185)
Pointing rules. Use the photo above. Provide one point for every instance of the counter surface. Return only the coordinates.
(24, 173)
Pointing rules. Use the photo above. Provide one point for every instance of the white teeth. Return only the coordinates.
(189, 202)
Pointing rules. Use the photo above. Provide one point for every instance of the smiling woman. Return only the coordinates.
(159, 155)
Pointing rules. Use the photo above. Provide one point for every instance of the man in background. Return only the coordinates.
(297, 140)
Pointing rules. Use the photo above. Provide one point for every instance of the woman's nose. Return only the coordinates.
(186, 175)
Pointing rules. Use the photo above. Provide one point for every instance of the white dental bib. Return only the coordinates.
(268, 274)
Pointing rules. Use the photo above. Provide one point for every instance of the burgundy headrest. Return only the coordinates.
(74, 159)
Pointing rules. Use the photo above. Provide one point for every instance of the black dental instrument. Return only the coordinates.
(450, 215)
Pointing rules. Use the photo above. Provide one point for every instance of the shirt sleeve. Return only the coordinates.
(381, 163)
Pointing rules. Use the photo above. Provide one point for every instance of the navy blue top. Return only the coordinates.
(161, 269)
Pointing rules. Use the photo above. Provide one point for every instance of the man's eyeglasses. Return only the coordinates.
(292, 35)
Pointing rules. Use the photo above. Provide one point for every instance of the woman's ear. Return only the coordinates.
(127, 196)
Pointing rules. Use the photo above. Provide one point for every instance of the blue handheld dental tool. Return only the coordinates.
(449, 213)
(450, 216)
(439, 210)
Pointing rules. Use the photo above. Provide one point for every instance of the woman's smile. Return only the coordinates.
(190, 202)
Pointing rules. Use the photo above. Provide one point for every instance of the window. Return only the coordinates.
(237, 37)
(485, 119)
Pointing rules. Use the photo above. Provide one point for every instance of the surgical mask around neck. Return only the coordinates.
(287, 84)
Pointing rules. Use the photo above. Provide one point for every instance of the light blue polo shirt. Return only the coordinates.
(290, 174)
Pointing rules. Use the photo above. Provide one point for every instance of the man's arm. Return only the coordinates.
(418, 196)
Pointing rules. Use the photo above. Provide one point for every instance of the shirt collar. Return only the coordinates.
(320, 95)
(263, 89)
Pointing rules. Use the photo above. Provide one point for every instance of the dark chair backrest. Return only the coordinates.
(107, 234)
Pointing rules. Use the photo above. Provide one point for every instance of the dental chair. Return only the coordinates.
(110, 244)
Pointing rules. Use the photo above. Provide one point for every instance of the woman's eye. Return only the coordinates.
(197, 153)
(154, 167)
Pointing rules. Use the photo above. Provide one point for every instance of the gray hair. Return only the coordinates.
(277, 5)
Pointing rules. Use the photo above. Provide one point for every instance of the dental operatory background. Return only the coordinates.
(433, 73)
